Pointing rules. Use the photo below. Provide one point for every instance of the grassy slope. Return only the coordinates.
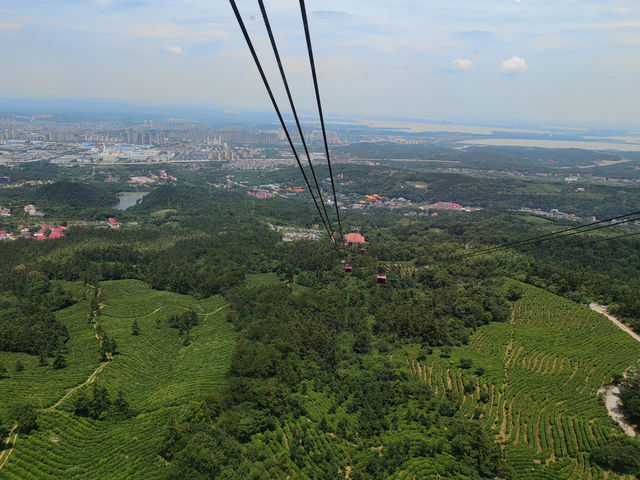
(43, 386)
(154, 370)
(543, 372)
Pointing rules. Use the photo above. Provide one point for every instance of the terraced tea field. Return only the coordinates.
(539, 391)
(155, 371)
(43, 386)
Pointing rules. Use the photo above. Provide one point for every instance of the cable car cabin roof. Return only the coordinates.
(381, 279)
(348, 269)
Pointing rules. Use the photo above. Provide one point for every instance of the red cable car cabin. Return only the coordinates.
(348, 269)
(381, 279)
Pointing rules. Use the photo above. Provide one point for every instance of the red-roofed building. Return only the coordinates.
(57, 232)
(44, 230)
(113, 223)
(353, 238)
(260, 195)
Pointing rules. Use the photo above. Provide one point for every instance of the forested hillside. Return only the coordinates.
(193, 342)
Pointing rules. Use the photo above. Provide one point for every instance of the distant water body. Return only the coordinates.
(523, 142)
(128, 199)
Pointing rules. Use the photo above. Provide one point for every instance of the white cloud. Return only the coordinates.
(462, 64)
(176, 50)
(514, 65)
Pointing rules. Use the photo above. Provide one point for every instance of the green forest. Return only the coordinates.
(194, 342)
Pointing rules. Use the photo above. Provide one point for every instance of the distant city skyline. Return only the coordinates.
(568, 62)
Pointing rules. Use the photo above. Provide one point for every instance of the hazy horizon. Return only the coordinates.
(526, 61)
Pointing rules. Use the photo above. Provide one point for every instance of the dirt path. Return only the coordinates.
(216, 311)
(612, 402)
(13, 434)
(612, 394)
(11, 440)
(152, 313)
(88, 381)
(618, 323)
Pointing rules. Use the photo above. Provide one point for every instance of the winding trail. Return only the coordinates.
(13, 434)
(88, 381)
(612, 394)
(5, 454)
(216, 310)
(616, 322)
(152, 313)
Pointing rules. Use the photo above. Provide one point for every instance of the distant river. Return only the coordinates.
(128, 199)
(523, 142)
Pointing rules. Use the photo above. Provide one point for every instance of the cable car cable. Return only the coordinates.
(277, 109)
(603, 240)
(305, 22)
(590, 242)
(487, 250)
(558, 236)
(267, 24)
(553, 234)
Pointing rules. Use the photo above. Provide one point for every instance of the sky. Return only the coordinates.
(543, 62)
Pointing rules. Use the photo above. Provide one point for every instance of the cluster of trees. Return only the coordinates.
(622, 455)
(195, 266)
(66, 199)
(27, 320)
(99, 404)
(24, 416)
(444, 315)
(292, 345)
(200, 264)
(77, 194)
(630, 396)
(603, 272)
(108, 345)
(184, 321)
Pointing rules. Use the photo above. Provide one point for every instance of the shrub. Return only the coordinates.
(25, 416)
(466, 363)
(59, 361)
(445, 351)
(19, 366)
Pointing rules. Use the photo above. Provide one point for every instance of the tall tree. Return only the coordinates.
(135, 328)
